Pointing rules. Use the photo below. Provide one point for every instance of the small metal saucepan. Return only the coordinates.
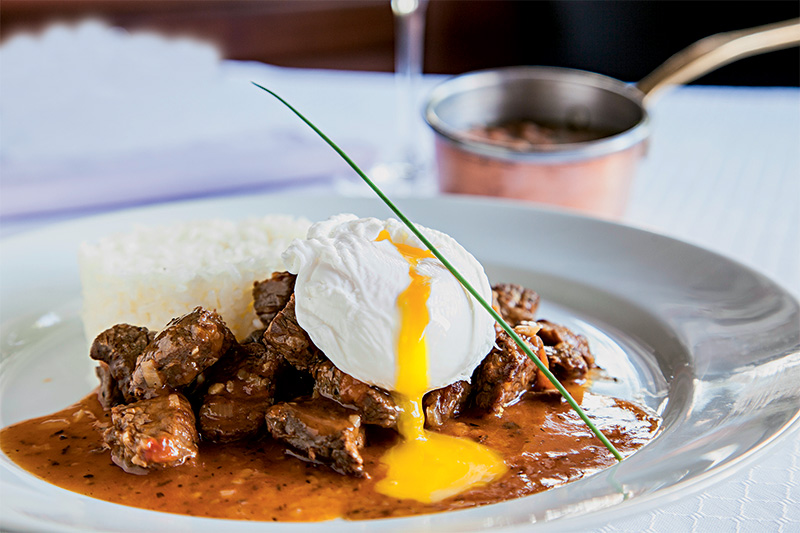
(593, 175)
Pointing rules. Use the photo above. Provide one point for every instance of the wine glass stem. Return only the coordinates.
(409, 46)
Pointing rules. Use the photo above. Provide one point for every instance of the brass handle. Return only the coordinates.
(718, 50)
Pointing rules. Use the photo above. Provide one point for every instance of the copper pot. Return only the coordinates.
(593, 176)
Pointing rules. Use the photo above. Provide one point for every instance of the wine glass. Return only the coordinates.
(401, 166)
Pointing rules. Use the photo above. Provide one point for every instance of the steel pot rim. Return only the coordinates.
(558, 153)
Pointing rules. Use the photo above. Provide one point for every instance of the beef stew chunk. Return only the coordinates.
(567, 352)
(507, 372)
(240, 390)
(515, 303)
(155, 433)
(117, 349)
(442, 404)
(321, 431)
(375, 405)
(285, 336)
(271, 295)
(108, 392)
(186, 347)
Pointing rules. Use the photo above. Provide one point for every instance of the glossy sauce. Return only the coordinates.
(543, 441)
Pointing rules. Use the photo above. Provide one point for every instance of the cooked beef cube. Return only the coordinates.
(240, 391)
(322, 431)
(285, 336)
(567, 352)
(155, 433)
(118, 347)
(374, 404)
(445, 403)
(515, 303)
(506, 372)
(180, 353)
(108, 393)
(272, 295)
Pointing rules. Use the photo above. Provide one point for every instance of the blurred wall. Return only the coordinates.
(625, 39)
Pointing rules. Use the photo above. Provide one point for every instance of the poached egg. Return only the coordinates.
(386, 311)
(348, 282)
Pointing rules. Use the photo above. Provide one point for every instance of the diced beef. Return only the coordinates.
(515, 303)
(285, 336)
(374, 404)
(442, 404)
(117, 349)
(567, 352)
(240, 390)
(507, 372)
(272, 295)
(186, 347)
(155, 433)
(321, 431)
(108, 392)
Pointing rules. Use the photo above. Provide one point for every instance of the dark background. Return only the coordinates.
(623, 39)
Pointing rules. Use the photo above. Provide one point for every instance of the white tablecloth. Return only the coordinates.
(723, 172)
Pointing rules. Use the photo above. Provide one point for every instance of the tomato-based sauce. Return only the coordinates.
(542, 440)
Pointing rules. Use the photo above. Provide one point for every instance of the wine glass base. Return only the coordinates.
(397, 179)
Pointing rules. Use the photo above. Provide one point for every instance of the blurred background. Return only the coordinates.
(139, 116)
(623, 39)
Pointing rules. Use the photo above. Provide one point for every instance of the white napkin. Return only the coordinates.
(95, 116)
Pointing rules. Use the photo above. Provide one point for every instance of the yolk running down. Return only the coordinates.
(426, 466)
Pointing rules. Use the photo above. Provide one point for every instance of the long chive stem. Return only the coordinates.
(468, 286)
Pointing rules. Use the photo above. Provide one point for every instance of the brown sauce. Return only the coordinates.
(543, 441)
(523, 135)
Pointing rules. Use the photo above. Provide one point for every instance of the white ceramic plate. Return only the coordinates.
(710, 345)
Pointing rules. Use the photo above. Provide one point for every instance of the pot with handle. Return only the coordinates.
(595, 128)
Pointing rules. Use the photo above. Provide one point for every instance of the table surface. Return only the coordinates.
(722, 172)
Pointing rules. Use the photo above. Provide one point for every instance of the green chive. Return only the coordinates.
(503, 324)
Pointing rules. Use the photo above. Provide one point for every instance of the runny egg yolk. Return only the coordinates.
(426, 466)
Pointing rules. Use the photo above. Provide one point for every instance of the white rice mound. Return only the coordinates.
(152, 274)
